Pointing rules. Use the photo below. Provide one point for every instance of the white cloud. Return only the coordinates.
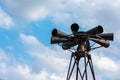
(107, 67)
(3, 56)
(25, 73)
(54, 59)
(55, 77)
(88, 13)
(31, 10)
(18, 71)
(21, 72)
(5, 20)
(37, 13)
(31, 41)
(106, 64)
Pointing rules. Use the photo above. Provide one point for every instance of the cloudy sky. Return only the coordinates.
(25, 30)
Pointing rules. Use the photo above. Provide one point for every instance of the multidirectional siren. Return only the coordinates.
(102, 42)
(58, 37)
(96, 30)
(71, 42)
(55, 40)
(95, 34)
(68, 45)
(59, 34)
(107, 36)
(74, 28)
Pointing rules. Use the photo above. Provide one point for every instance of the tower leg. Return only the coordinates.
(79, 74)
(69, 67)
(85, 62)
(91, 66)
(70, 70)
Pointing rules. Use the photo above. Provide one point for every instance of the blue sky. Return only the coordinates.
(25, 31)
